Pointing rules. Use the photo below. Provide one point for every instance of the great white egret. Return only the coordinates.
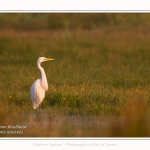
(39, 86)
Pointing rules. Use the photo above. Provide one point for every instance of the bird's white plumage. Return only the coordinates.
(37, 93)
(39, 86)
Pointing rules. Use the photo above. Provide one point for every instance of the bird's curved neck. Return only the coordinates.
(43, 79)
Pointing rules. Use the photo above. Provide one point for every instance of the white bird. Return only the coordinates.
(39, 86)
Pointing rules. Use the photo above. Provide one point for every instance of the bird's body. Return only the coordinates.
(39, 86)
(39, 93)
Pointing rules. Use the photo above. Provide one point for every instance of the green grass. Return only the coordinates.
(98, 85)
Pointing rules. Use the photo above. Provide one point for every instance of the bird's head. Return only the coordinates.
(41, 59)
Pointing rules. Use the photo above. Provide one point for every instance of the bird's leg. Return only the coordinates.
(39, 110)
(36, 112)
(37, 115)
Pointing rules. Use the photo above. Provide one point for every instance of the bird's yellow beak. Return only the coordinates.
(46, 59)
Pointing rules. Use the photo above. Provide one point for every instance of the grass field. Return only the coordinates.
(99, 84)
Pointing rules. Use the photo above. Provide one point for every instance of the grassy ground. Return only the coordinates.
(98, 85)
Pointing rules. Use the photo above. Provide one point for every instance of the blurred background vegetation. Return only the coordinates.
(57, 21)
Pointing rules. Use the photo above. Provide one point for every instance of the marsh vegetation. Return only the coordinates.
(99, 84)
